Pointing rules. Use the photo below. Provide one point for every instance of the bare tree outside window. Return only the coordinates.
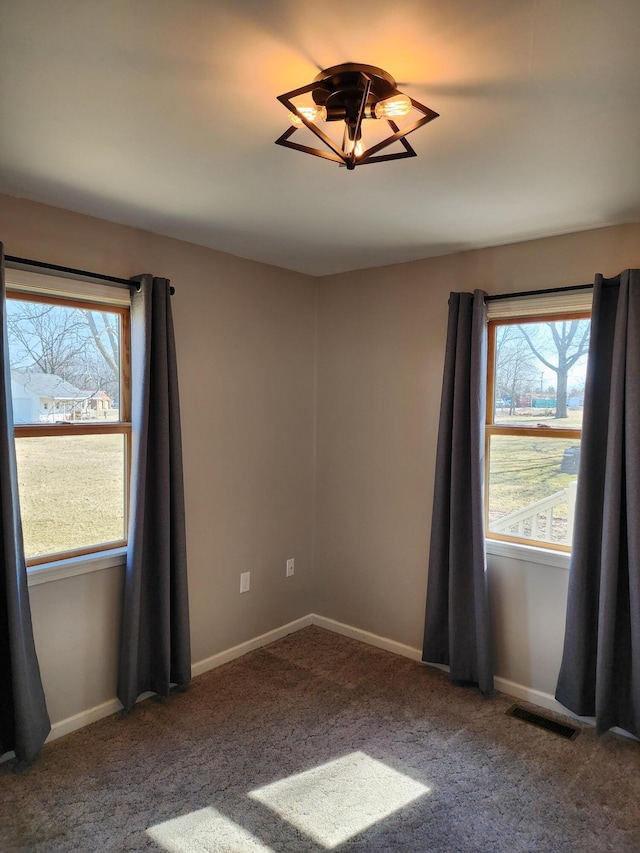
(516, 367)
(44, 338)
(79, 345)
(559, 346)
(105, 336)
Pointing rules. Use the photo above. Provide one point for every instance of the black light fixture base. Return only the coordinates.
(342, 82)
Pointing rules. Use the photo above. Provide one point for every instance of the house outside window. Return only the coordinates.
(69, 351)
(537, 360)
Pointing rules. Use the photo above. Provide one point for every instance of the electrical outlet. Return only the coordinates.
(245, 581)
(290, 567)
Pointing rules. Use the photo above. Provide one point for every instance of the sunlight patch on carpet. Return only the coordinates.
(205, 831)
(335, 801)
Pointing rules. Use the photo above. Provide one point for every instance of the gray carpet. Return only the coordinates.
(320, 742)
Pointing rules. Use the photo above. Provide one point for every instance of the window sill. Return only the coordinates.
(528, 553)
(76, 566)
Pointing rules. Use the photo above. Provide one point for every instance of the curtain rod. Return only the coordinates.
(491, 298)
(99, 276)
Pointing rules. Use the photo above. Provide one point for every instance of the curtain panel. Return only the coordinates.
(155, 647)
(24, 721)
(600, 672)
(457, 630)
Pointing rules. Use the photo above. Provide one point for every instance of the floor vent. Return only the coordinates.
(542, 722)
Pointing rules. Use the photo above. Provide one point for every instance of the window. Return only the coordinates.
(537, 362)
(69, 359)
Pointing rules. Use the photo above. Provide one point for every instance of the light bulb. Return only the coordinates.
(310, 113)
(398, 105)
(359, 148)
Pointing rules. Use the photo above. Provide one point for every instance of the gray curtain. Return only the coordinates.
(600, 672)
(155, 648)
(457, 629)
(24, 722)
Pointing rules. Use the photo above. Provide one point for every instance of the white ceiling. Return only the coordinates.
(162, 114)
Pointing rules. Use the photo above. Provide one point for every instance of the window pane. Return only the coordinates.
(540, 373)
(532, 487)
(65, 362)
(72, 491)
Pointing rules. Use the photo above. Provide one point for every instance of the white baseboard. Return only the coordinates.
(91, 715)
(112, 706)
(546, 700)
(366, 637)
(248, 646)
(503, 685)
(80, 720)
(84, 718)
(536, 697)
(77, 721)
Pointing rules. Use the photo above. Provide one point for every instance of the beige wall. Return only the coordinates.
(249, 368)
(245, 336)
(381, 339)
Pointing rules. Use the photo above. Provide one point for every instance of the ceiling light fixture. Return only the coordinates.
(352, 94)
